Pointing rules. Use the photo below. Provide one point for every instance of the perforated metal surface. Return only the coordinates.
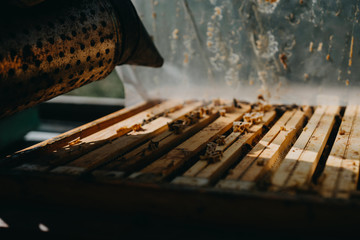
(57, 46)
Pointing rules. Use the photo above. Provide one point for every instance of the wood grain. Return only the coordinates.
(349, 174)
(176, 158)
(267, 154)
(330, 176)
(141, 156)
(204, 173)
(47, 146)
(281, 175)
(310, 156)
(277, 149)
(102, 136)
(124, 143)
(249, 159)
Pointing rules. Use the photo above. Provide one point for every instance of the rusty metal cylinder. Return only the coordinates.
(23, 3)
(57, 46)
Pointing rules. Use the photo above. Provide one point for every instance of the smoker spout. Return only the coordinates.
(138, 46)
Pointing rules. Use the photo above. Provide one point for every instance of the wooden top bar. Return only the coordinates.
(204, 173)
(176, 158)
(164, 141)
(310, 155)
(328, 179)
(124, 143)
(258, 163)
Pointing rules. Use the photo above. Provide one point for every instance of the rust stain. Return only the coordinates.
(14, 63)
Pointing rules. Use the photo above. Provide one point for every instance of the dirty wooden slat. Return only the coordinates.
(349, 174)
(246, 162)
(94, 126)
(112, 131)
(195, 169)
(273, 151)
(201, 164)
(82, 131)
(308, 160)
(286, 167)
(248, 138)
(278, 147)
(142, 155)
(328, 179)
(177, 157)
(207, 173)
(228, 141)
(93, 141)
(122, 144)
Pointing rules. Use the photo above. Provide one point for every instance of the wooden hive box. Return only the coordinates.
(295, 166)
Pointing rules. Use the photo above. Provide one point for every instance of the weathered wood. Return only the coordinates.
(207, 204)
(113, 131)
(249, 159)
(277, 149)
(329, 178)
(69, 152)
(176, 158)
(272, 153)
(85, 130)
(228, 141)
(195, 169)
(142, 155)
(349, 174)
(204, 173)
(92, 127)
(286, 167)
(230, 155)
(122, 144)
(201, 164)
(308, 160)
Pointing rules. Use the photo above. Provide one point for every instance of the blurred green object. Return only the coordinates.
(15, 127)
(111, 87)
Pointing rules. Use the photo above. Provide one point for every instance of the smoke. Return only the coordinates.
(290, 51)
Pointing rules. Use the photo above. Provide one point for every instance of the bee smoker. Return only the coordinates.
(56, 46)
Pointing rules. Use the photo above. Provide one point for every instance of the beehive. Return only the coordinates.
(293, 166)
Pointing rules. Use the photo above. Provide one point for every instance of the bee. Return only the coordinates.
(153, 145)
(137, 128)
(222, 112)
(221, 140)
(176, 126)
(211, 155)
